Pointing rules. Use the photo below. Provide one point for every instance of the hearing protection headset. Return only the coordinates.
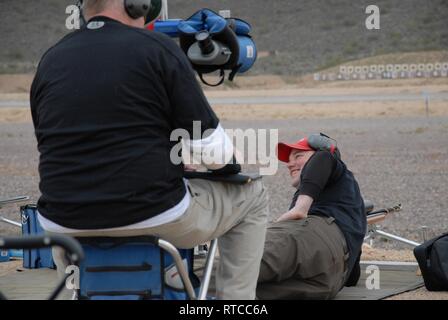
(137, 8)
(321, 142)
(134, 8)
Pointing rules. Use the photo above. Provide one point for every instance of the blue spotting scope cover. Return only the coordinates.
(233, 33)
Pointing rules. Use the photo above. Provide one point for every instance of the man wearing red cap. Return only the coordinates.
(312, 249)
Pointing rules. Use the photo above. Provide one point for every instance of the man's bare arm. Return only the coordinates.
(299, 211)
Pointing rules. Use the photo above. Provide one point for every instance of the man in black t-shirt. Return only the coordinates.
(105, 101)
(311, 250)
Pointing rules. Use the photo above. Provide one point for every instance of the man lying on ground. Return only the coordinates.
(311, 250)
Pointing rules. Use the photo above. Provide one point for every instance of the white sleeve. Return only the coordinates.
(214, 151)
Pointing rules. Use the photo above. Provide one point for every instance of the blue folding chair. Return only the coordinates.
(140, 268)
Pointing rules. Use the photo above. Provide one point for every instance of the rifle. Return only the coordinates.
(379, 215)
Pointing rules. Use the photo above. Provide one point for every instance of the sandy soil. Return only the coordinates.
(293, 111)
(377, 254)
(15, 115)
(16, 87)
(15, 83)
(21, 83)
(329, 110)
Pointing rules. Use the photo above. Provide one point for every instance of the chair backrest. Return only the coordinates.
(38, 257)
(129, 269)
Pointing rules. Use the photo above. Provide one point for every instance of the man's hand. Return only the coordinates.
(292, 214)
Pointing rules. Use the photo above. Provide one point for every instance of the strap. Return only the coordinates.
(113, 242)
(234, 72)
(221, 74)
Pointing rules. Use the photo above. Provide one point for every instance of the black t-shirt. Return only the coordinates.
(336, 194)
(104, 102)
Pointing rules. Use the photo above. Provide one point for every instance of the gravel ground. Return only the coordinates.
(395, 160)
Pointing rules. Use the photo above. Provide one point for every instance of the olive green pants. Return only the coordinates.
(303, 259)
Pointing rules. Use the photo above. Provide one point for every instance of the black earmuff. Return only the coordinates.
(134, 8)
(137, 8)
(320, 142)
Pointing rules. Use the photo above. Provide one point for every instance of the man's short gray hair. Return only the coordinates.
(95, 6)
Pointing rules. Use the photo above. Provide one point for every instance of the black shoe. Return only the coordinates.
(355, 274)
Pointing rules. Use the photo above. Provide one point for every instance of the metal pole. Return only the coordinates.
(397, 238)
(208, 270)
(165, 245)
(424, 233)
(164, 10)
(14, 223)
(13, 200)
(10, 201)
(426, 98)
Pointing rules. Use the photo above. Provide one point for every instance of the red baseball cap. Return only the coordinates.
(284, 149)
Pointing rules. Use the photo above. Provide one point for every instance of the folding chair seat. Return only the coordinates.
(135, 268)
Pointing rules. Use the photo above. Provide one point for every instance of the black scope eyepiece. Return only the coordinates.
(205, 42)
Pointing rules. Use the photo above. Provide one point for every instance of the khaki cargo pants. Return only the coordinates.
(235, 214)
(303, 259)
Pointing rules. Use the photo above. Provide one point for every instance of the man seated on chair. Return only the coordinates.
(105, 101)
(311, 249)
